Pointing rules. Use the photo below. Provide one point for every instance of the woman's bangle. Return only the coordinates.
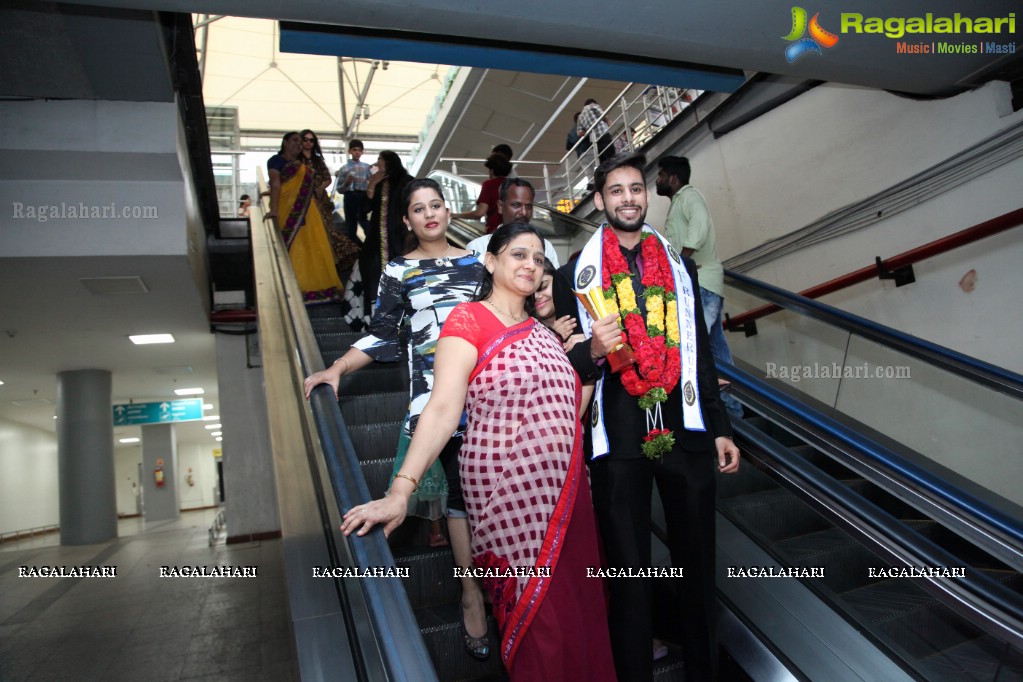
(345, 369)
(408, 478)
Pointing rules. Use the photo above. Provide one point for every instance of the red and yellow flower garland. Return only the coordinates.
(657, 368)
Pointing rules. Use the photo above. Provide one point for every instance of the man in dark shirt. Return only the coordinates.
(622, 474)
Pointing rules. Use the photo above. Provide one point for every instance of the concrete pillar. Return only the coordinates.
(85, 457)
(160, 449)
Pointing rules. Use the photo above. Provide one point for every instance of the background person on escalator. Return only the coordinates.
(296, 215)
(592, 113)
(419, 289)
(345, 251)
(385, 239)
(690, 230)
(486, 205)
(515, 203)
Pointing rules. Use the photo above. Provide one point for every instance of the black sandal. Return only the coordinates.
(477, 647)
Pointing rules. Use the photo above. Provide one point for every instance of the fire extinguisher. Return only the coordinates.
(158, 476)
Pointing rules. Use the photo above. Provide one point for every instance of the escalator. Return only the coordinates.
(804, 498)
(373, 403)
(914, 631)
(920, 561)
(883, 599)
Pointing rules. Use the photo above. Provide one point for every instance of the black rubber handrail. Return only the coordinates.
(399, 639)
(399, 642)
(978, 371)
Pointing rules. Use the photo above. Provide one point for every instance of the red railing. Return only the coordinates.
(952, 241)
(233, 316)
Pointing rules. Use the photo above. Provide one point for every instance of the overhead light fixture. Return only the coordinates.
(214, 426)
(219, 439)
(207, 406)
(188, 391)
(217, 433)
(143, 339)
(129, 440)
(1, 383)
(211, 418)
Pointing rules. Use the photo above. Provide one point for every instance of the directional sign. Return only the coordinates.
(165, 412)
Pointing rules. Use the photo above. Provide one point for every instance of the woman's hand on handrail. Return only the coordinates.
(346, 364)
(388, 511)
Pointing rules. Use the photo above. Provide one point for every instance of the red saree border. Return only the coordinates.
(536, 587)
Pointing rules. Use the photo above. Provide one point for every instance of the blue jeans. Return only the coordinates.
(718, 345)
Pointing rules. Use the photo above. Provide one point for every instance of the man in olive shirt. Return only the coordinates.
(690, 230)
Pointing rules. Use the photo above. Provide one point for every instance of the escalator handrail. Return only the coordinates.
(401, 646)
(946, 495)
(582, 223)
(401, 642)
(960, 364)
(984, 601)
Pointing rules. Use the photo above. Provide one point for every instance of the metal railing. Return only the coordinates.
(637, 114)
(13, 535)
(891, 267)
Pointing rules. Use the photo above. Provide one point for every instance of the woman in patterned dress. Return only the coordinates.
(419, 290)
(525, 486)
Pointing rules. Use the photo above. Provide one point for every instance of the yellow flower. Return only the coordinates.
(654, 312)
(612, 305)
(672, 321)
(626, 296)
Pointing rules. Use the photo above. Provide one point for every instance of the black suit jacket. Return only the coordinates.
(624, 420)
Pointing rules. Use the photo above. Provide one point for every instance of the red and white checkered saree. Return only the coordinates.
(521, 468)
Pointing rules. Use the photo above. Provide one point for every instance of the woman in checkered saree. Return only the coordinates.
(521, 467)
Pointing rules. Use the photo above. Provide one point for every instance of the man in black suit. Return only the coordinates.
(622, 476)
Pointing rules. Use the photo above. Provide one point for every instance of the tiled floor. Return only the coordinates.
(138, 626)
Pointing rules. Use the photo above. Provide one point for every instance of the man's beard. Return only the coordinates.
(618, 224)
(663, 190)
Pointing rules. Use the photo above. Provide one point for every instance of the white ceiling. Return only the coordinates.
(56, 324)
(281, 92)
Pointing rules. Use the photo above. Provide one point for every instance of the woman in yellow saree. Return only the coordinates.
(292, 195)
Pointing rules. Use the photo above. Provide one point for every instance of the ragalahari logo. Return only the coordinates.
(819, 37)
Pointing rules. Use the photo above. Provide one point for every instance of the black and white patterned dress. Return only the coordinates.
(420, 294)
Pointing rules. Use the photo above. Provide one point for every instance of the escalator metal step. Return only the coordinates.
(442, 631)
(375, 407)
(747, 480)
(977, 659)
(377, 473)
(774, 514)
(375, 441)
(431, 580)
(376, 378)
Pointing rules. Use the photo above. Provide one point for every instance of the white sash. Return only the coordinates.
(588, 271)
